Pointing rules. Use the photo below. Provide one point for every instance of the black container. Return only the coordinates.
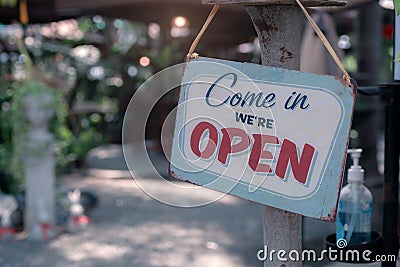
(345, 254)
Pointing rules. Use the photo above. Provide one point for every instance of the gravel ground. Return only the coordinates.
(131, 229)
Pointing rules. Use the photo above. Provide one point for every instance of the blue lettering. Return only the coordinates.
(250, 97)
(238, 96)
(300, 100)
(237, 99)
(241, 117)
(215, 83)
(269, 101)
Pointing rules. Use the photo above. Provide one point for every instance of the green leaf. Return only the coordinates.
(397, 7)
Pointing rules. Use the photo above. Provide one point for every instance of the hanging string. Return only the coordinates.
(191, 53)
(326, 43)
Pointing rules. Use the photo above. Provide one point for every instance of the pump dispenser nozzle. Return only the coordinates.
(356, 172)
(354, 222)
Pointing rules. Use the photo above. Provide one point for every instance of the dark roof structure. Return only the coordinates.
(231, 26)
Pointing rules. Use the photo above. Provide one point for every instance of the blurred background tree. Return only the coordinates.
(99, 61)
(96, 63)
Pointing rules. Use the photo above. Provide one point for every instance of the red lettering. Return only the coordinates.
(300, 168)
(258, 152)
(228, 134)
(198, 131)
(230, 145)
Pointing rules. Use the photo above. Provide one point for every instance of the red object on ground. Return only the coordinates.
(388, 31)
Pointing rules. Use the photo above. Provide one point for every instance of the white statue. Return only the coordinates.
(77, 221)
(8, 205)
(38, 113)
(39, 165)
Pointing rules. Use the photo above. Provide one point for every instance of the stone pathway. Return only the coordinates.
(131, 229)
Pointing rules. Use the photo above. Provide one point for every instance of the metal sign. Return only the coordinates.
(270, 135)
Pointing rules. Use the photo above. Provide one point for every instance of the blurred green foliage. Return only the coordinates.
(94, 63)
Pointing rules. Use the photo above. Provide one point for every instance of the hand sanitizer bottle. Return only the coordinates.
(354, 220)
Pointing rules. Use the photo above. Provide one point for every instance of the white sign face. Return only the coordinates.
(270, 135)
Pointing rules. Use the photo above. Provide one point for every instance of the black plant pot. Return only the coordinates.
(375, 247)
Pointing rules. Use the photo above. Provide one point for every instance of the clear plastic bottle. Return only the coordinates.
(354, 222)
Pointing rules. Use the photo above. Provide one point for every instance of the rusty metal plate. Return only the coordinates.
(270, 135)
